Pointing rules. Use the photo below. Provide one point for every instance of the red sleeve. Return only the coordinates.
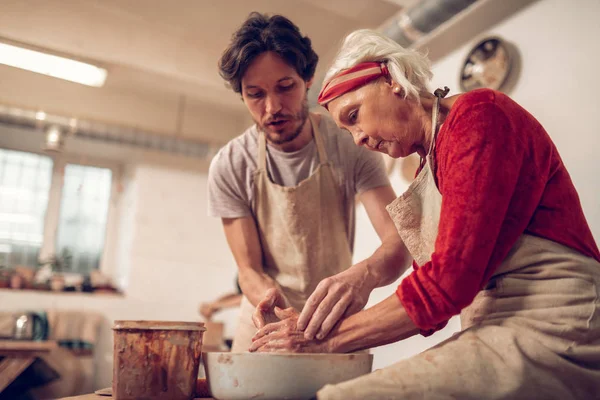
(479, 162)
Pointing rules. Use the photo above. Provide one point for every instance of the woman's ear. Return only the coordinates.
(393, 85)
(389, 81)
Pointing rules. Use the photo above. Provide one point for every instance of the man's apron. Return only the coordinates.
(302, 232)
(532, 333)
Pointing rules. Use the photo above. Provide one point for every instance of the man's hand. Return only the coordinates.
(341, 295)
(207, 310)
(283, 336)
(265, 310)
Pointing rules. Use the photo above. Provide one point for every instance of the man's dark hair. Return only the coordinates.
(260, 33)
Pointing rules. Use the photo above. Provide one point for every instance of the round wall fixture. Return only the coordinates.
(487, 65)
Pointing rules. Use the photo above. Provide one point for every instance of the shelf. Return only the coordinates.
(51, 292)
(27, 345)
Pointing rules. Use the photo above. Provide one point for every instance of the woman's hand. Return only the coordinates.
(340, 295)
(283, 336)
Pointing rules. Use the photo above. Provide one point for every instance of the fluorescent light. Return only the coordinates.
(47, 64)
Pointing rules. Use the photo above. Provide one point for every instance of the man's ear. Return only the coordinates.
(310, 82)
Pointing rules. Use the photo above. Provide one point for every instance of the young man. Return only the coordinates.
(285, 188)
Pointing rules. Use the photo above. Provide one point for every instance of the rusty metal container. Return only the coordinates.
(155, 360)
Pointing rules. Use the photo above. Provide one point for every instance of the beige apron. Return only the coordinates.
(532, 333)
(302, 232)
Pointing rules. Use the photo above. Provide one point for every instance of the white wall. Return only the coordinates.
(558, 42)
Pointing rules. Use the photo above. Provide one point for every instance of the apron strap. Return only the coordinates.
(319, 141)
(439, 93)
(262, 150)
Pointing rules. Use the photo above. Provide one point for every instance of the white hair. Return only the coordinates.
(409, 68)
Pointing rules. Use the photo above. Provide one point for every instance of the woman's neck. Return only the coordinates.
(428, 103)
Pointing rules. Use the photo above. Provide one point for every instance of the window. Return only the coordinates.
(53, 207)
(24, 188)
(82, 219)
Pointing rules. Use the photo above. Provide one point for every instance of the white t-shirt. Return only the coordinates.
(230, 177)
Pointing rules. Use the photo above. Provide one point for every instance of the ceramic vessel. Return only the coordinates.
(270, 376)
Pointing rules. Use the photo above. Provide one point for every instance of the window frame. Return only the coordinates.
(60, 160)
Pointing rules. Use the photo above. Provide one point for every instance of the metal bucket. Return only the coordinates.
(156, 359)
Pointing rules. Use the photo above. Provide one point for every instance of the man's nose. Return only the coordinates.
(273, 104)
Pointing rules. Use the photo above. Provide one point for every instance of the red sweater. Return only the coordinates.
(500, 176)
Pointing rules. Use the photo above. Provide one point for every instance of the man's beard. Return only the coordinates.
(277, 138)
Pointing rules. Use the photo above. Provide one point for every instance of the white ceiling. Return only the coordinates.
(159, 46)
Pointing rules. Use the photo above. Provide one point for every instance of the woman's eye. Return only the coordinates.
(254, 95)
(353, 116)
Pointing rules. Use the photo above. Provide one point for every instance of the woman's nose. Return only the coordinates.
(360, 138)
(273, 104)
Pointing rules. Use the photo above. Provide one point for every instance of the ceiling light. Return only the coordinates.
(47, 64)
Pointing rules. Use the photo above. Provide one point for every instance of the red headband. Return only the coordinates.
(351, 79)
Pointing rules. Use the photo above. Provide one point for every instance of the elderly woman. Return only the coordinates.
(497, 234)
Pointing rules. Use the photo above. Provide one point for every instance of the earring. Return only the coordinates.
(397, 89)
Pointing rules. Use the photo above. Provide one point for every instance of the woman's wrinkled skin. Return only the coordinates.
(283, 336)
(381, 119)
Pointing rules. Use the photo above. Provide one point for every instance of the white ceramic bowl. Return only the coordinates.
(270, 376)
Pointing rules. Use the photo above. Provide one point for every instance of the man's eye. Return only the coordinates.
(286, 87)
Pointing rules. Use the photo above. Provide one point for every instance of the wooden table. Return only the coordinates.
(105, 394)
(18, 355)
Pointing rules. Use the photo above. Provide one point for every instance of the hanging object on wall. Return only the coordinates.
(488, 65)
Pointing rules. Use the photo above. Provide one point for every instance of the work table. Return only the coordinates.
(98, 397)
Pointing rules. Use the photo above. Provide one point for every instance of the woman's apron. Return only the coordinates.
(532, 333)
(302, 232)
